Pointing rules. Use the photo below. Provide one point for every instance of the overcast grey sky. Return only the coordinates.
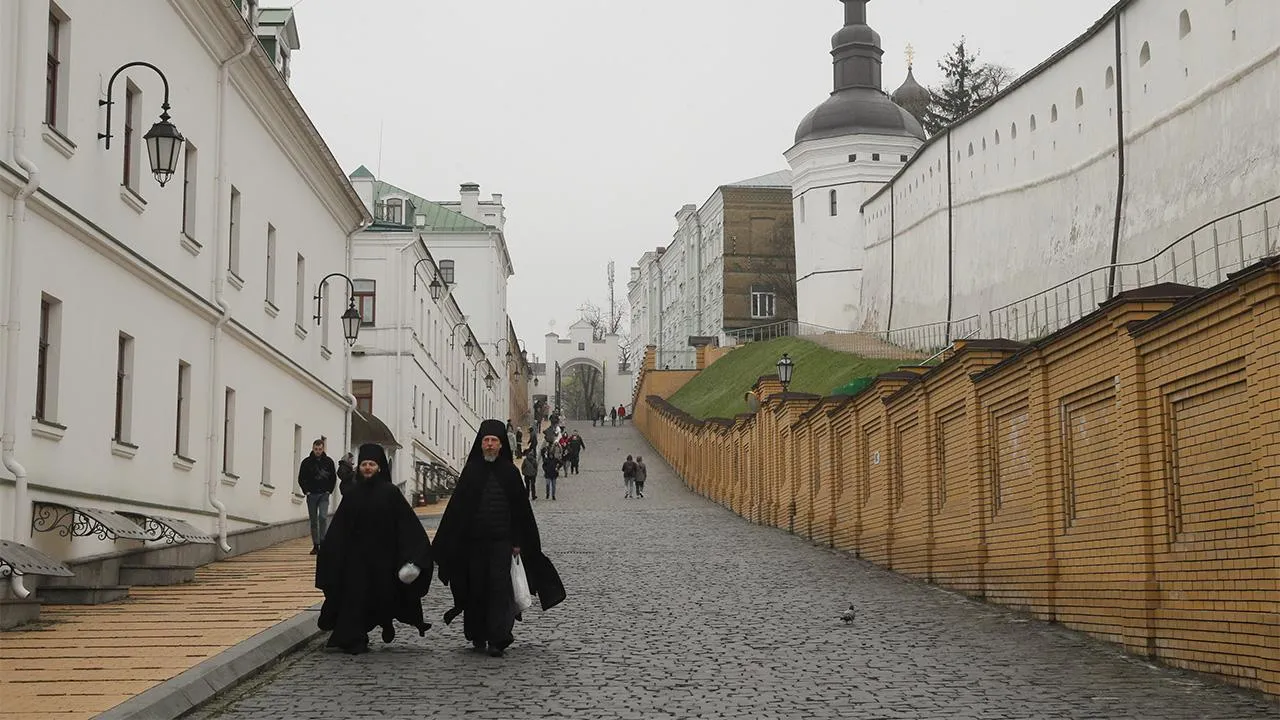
(599, 119)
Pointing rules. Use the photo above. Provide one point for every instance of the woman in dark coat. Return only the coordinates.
(488, 521)
(374, 564)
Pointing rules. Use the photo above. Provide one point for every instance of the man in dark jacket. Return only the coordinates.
(317, 477)
(529, 469)
(488, 522)
(573, 451)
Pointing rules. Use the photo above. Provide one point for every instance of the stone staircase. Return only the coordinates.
(869, 345)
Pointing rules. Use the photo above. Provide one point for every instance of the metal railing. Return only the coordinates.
(1202, 258)
(899, 342)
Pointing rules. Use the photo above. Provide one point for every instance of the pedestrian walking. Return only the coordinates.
(551, 471)
(529, 470)
(613, 416)
(346, 473)
(642, 473)
(488, 522)
(316, 478)
(629, 476)
(374, 565)
(574, 451)
(622, 414)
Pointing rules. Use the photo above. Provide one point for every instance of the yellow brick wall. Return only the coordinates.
(1121, 476)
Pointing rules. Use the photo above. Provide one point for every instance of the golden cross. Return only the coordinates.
(911, 54)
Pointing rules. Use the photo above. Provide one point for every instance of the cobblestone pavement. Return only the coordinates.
(679, 609)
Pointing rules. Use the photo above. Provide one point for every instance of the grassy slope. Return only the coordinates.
(718, 390)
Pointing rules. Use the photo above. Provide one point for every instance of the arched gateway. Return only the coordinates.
(588, 372)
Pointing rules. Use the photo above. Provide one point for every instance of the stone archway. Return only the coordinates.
(582, 388)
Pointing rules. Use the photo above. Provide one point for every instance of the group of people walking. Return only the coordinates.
(375, 561)
(615, 415)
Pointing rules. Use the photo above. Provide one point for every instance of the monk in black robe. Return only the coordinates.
(488, 521)
(374, 564)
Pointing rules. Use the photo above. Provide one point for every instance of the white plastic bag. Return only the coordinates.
(520, 585)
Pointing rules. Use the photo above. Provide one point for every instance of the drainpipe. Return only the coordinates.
(219, 277)
(346, 347)
(697, 216)
(951, 225)
(1120, 161)
(400, 333)
(13, 321)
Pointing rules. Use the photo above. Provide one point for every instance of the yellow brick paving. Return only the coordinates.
(81, 660)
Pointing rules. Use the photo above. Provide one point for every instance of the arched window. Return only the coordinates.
(1013, 131)
(1144, 55)
(1184, 24)
(970, 149)
(1079, 97)
(1033, 123)
(834, 206)
(1053, 114)
(984, 143)
(1111, 77)
(997, 137)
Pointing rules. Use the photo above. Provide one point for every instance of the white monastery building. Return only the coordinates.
(1150, 140)
(427, 368)
(160, 353)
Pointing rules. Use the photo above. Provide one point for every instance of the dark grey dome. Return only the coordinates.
(912, 91)
(858, 110)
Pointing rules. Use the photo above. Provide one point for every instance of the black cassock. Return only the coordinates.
(476, 563)
(372, 535)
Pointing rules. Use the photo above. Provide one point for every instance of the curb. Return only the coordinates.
(187, 690)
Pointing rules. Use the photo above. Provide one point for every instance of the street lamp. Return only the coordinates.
(453, 334)
(351, 319)
(435, 286)
(468, 348)
(786, 366)
(164, 142)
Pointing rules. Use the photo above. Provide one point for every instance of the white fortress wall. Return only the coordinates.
(1034, 174)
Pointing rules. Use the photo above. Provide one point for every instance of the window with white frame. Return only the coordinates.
(271, 264)
(190, 194)
(233, 234)
(300, 290)
(55, 99)
(266, 448)
(366, 299)
(182, 419)
(124, 390)
(763, 302)
(47, 360)
(229, 432)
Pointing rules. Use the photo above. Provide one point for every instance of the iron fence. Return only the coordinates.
(1202, 258)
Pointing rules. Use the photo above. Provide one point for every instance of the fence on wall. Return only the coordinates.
(900, 342)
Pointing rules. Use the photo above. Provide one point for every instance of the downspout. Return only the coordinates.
(346, 347)
(1120, 168)
(400, 332)
(219, 276)
(13, 321)
(892, 230)
(697, 216)
(951, 224)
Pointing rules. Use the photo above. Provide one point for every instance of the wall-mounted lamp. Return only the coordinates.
(164, 142)
(350, 318)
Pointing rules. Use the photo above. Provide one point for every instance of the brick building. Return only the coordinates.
(730, 265)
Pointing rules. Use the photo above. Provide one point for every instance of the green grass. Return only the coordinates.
(718, 390)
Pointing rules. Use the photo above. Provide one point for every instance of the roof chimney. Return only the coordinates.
(471, 201)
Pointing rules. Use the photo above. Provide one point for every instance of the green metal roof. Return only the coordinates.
(438, 217)
(274, 16)
(361, 172)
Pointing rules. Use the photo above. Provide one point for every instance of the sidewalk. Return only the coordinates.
(81, 660)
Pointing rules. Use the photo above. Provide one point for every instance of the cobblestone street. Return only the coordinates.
(679, 609)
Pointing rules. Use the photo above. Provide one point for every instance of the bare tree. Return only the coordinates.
(582, 389)
(605, 323)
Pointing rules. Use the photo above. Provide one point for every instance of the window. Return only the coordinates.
(582, 346)
(233, 234)
(1184, 24)
(297, 455)
(326, 324)
(190, 167)
(47, 359)
(801, 208)
(853, 157)
(271, 264)
(132, 105)
(1013, 131)
(1053, 114)
(1079, 97)
(55, 81)
(834, 206)
(1110, 80)
(393, 211)
(362, 391)
(875, 157)
(1032, 123)
(300, 289)
(124, 389)
(762, 302)
(182, 423)
(266, 448)
(366, 300)
(229, 432)
(1144, 55)
(902, 158)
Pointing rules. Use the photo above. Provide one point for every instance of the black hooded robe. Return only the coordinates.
(371, 536)
(477, 567)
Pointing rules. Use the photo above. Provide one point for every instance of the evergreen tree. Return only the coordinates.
(969, 85)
